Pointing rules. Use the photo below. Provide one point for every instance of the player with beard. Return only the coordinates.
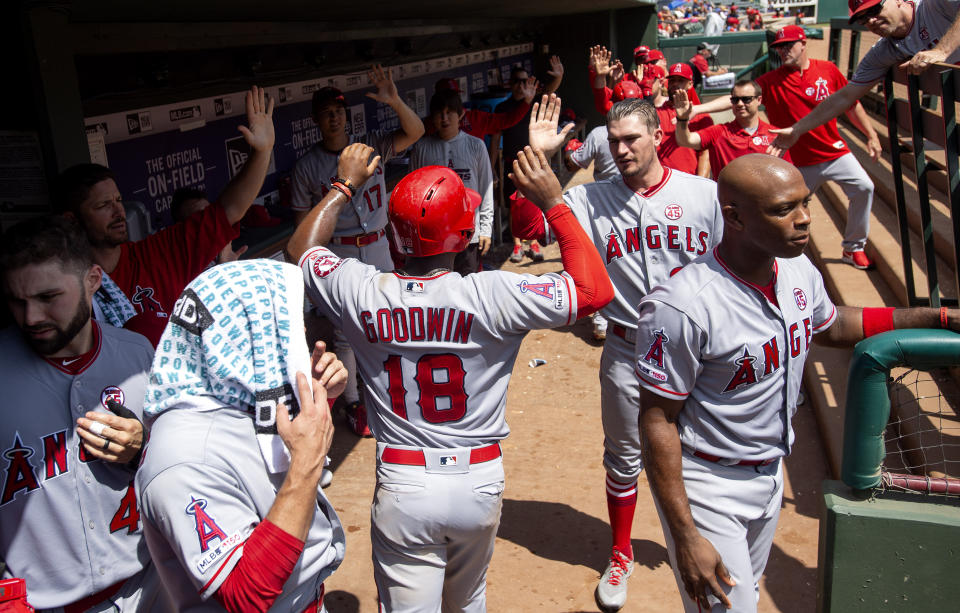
(148, 275)
(71, 433)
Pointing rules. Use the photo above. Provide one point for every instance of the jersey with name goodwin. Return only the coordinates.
(367, 210)
(645, 237)
(69, 523)
(435, 352)
(715, 341)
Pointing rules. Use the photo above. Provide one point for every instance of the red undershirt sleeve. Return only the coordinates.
(602, 99)
(581, 261)
(526, 220)
(269, 556)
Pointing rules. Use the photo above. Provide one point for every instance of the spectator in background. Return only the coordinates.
(360, 229)
(149, 275)
(482, 123)
(747, 133)
(671, 154)
(467, 156)
(188, 201)
(713, 26)
(701, 61)
(515, 139)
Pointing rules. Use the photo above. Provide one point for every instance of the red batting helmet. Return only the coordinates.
(626, 89)
(432, 212)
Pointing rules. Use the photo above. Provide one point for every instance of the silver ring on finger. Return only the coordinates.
(106, 444)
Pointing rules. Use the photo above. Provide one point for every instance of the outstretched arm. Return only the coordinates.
(698, 562)
(411, 128)
(853, 324)
(556, 75)
(858, 117)
(239, 194)
(544, 120)
(947, 45)
(685, 138)
(836, 103)
(317, 227)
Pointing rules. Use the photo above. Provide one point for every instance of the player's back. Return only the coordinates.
(436, 352)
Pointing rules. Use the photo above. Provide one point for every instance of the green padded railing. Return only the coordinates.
(868, 400)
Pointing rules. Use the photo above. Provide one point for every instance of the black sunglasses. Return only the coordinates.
(743, 99)
(868, 14)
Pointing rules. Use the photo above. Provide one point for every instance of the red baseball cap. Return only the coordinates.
(447, 84)
(640, 53)
(626, 89)
(681, 70)
(652, 71)
(858, 6)
(654, 55)
(791, 34)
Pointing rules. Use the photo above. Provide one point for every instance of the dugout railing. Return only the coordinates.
(923, 117)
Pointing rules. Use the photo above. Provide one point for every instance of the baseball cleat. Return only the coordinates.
(534, 252)
(858, 259)
(357, 418)
(612, 590)
(517, 254)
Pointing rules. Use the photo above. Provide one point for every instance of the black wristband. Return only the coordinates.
(346, 183)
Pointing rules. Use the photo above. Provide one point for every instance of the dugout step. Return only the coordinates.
(882, 174)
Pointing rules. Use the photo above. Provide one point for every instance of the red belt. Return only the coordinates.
(359, 240)
(414, 457)
(627, 334)
(316, 605)
(713, 458)
(85, 603)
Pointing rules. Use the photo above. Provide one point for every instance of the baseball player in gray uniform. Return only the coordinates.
(436, 351)
(233, 514)
(719, 355)
(595, 149)
(467, 156)
(646, 224)
(69, 519)
(360, 231)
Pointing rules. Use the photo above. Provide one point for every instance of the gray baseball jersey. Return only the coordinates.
(206, 493)
(714, 340)
(646, 236)
(367, 211)
(932, 19)
(435, 353)
(69, 524)
(596, 149)
(467, 156)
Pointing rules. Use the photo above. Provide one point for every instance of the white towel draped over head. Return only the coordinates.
(236, 339)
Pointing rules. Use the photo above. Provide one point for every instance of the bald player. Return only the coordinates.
(719, 355)
(69, 520)
(646, 224)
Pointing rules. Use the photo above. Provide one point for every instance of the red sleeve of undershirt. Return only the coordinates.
(269, 555)
(526, 220)
(581, 261)
(602, 99)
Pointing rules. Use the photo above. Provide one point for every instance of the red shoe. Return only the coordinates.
(534, 252)
(357, 418)
(858, 259)
(517, 256)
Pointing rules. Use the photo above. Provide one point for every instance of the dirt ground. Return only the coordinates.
(554, 539)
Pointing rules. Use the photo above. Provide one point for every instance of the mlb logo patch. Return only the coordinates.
(800, 297)
(414, 286)
(111, 392)
(448, 460)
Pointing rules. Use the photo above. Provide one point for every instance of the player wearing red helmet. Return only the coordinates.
(436, 351)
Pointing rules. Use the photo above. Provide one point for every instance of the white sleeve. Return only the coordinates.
(205, 518)
(824, 311)
(330, 281)
(485, 183)
(667, 353)
(526, 302)
(576, 200)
